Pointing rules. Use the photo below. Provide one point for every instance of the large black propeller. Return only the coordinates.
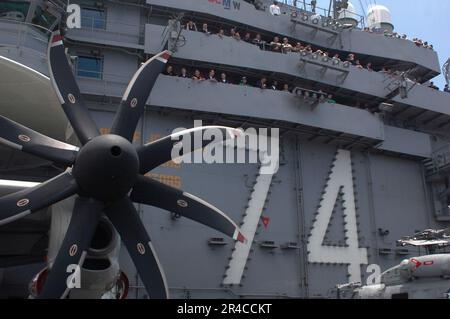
(106, 174)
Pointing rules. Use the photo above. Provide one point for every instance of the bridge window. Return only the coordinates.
(93, 18)
(90, 67)
(14, 10)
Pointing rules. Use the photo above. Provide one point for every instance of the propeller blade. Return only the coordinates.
(30, 200)
(67, 90)
(126, 220)
(136, 95)
(151, 192)
(22, 138)
(73, 251)
(160, 151)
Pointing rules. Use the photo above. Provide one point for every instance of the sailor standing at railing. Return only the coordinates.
(275, 9)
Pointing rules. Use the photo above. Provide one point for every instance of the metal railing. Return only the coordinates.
(22, 32)
(306, 7)
(302, 6)
(110, 29)
(100, 75)
(101, 83)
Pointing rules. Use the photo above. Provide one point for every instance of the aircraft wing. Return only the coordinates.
(27, 97)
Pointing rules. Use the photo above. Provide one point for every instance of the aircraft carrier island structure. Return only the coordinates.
(364, 136)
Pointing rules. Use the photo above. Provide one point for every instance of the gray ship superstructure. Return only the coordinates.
(364, 154)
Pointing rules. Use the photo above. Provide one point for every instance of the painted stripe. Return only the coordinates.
(61, 145)
(201, 201)
(161, 60)
(69, 147)
(15, 217)
(55, 44)
(166, 55)
(52, 77)
(21, 184)
(229, 130)
(138, 72)
(233, 132)
(11, 144)
(163, 275)
(56, 38)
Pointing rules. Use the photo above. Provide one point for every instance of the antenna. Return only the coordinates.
(329, 9)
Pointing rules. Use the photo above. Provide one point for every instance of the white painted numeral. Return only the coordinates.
(239, 257)
(340, 179)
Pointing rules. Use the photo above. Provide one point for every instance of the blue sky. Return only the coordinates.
(428, 20)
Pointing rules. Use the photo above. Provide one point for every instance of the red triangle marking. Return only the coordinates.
(265, 221)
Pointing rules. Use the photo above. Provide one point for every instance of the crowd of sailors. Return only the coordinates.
(264, 83)
(285, 45)
(281, 45)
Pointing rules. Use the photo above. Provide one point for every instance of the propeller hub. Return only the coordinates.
(106, 167)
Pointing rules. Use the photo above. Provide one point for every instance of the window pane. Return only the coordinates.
(13, 10)
(43, 18)
(93, 18)
(90, 67)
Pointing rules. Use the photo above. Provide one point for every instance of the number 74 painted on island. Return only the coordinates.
(340, 181)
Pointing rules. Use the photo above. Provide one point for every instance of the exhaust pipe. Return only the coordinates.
(100, 272)
(105, 239)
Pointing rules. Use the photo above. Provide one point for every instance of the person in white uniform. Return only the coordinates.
(275, 9)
